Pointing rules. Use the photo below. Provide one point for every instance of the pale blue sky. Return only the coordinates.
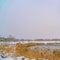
(30, 19)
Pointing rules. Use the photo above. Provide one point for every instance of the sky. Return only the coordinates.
(30, 19)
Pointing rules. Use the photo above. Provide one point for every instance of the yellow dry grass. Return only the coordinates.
(24, 50)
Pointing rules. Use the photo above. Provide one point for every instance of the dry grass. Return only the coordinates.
(24, 50)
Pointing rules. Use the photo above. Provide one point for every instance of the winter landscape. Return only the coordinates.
(29, 29)
(18, 49)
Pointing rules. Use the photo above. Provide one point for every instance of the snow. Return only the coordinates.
(17, 58)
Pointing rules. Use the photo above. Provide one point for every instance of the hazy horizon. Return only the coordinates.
(30, 19)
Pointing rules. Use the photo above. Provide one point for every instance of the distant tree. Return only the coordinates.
(10, 37)
(22, 40)
(1, 38)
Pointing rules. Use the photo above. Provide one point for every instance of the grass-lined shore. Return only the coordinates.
(24, 50)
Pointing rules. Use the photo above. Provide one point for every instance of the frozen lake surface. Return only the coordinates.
(55, 46)
(17, 58)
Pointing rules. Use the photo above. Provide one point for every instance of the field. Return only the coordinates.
(26, 51)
